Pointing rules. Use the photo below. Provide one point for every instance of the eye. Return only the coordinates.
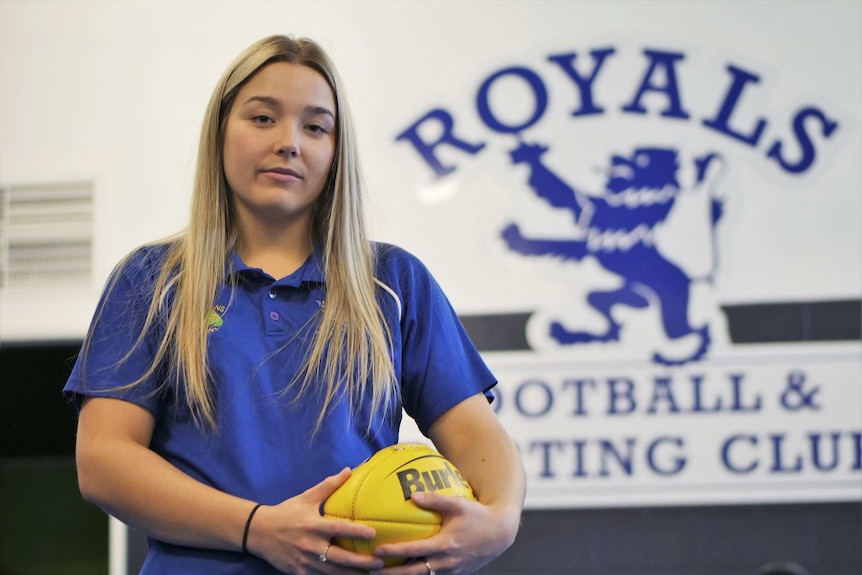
(317, 129)
(262, 119)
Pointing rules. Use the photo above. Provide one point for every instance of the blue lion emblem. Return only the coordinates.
(616, 227)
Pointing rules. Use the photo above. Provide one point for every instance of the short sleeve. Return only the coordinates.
(440, 366)
(116, 352)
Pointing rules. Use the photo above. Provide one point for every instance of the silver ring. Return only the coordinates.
(322, 556)
(430, 571)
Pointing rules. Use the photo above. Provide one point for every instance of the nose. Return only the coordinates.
(288, 150)
(288, 144)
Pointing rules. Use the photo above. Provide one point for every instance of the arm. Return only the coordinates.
(120, 473)
(473, 534)
(471, 437)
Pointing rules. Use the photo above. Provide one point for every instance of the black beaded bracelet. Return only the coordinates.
(247, 526)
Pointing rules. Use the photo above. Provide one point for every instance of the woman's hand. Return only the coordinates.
(472, 535)
(294, 538)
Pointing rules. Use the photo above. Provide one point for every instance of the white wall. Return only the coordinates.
(114, 92)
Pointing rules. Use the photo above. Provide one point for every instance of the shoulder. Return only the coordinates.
(141, 268)
(147, 257)
(406, 277)
(402, 275)
(391, 259)
(132, 287)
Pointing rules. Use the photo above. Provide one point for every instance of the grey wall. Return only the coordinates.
(732, 540)
(37, 450)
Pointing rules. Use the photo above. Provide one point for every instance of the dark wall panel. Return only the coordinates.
(35, 418)
(822, 538)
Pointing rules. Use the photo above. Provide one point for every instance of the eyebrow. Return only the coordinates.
(276, 103)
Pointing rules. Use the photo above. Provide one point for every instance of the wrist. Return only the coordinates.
(247, 530)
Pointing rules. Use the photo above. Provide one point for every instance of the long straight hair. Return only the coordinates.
(349, 355)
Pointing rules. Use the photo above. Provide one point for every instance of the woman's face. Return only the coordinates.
(279, 145)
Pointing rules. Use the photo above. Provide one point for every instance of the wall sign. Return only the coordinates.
(642, 387)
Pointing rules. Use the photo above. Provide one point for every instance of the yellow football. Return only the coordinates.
(378, 494)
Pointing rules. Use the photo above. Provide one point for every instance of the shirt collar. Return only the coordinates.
(310, 271)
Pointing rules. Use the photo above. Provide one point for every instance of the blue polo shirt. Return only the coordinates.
(259, 329)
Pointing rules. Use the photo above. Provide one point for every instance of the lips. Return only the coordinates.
(282, 174)
(282, 171)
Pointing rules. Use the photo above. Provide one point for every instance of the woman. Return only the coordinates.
(234, 373)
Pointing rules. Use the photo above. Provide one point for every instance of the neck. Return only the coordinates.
(279, 253)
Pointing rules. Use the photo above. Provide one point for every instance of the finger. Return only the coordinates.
(349, 529)
(447, 506)
(342, 557)
(412, 549)
(415, 549)
(444, 504)
(328, 486)
(415, 566)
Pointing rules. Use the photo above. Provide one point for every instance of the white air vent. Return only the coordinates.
(46, 235)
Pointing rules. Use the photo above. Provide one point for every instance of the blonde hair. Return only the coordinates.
(350, 352)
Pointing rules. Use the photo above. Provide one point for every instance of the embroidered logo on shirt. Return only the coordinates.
(214, 318)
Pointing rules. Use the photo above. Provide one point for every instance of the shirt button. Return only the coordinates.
(272, 294)
(273, 315)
